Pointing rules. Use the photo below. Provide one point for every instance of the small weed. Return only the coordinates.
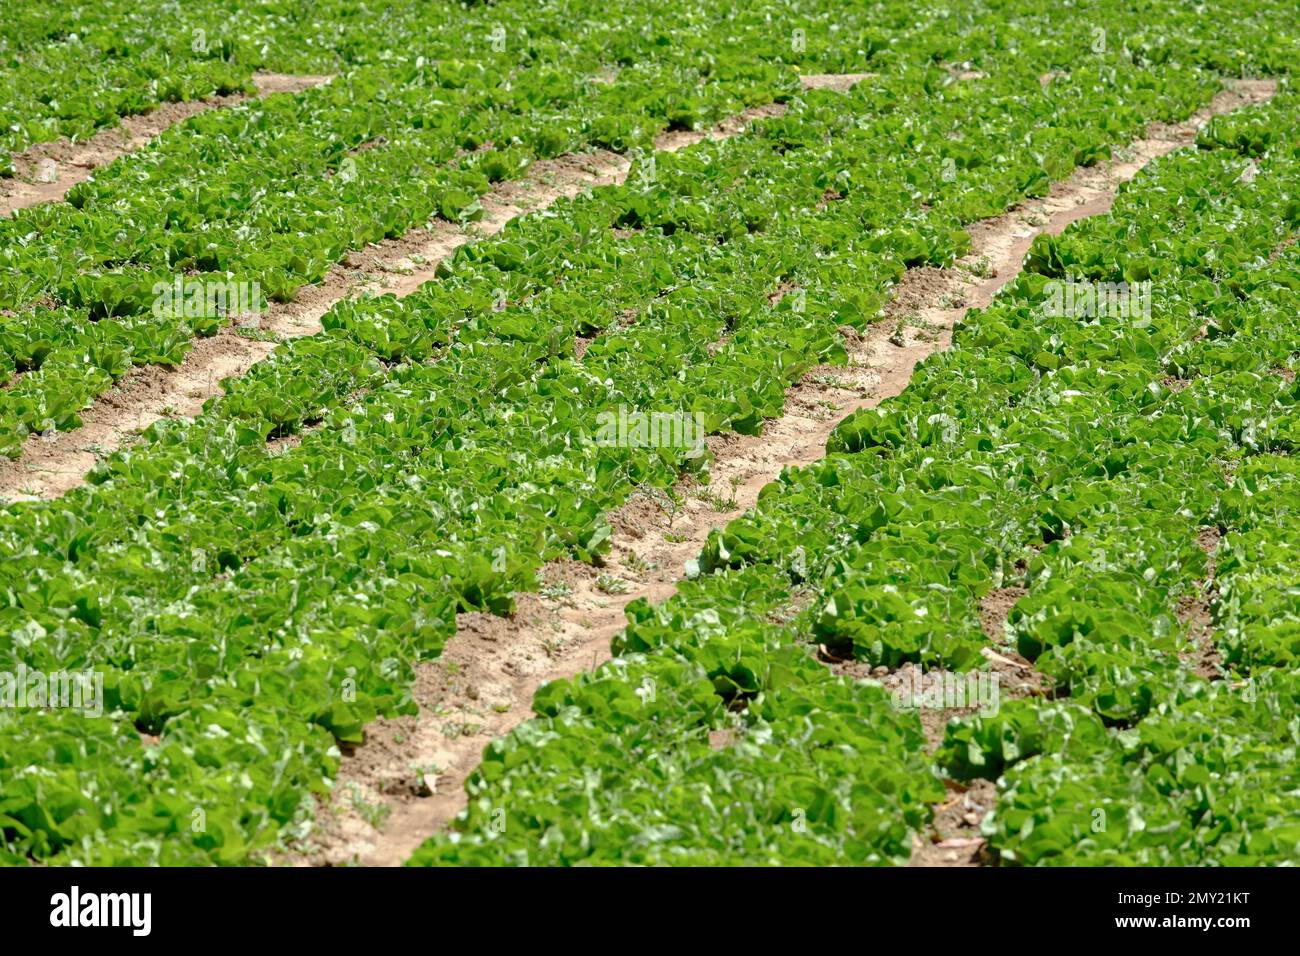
(637, 564)
(609, 584)
(373, 813)
(898, 337)
(716, 501)
(255, 334)
(557, 591)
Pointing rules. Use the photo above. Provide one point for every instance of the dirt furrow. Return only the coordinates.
(406, 781)
(53, 464)
(1196, 613)
(46, 171)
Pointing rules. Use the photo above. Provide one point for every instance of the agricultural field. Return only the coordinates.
(659, 433)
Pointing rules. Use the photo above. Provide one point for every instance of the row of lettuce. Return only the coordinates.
(1090, 460)
(268, 195)
(247, 606)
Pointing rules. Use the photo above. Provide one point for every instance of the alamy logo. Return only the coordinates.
(103, 909)
(631, 428)
(63, 690)
(941, 690)
(205, 299)
(1091, 300)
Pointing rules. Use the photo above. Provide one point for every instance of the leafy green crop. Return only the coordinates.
(251, 606)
